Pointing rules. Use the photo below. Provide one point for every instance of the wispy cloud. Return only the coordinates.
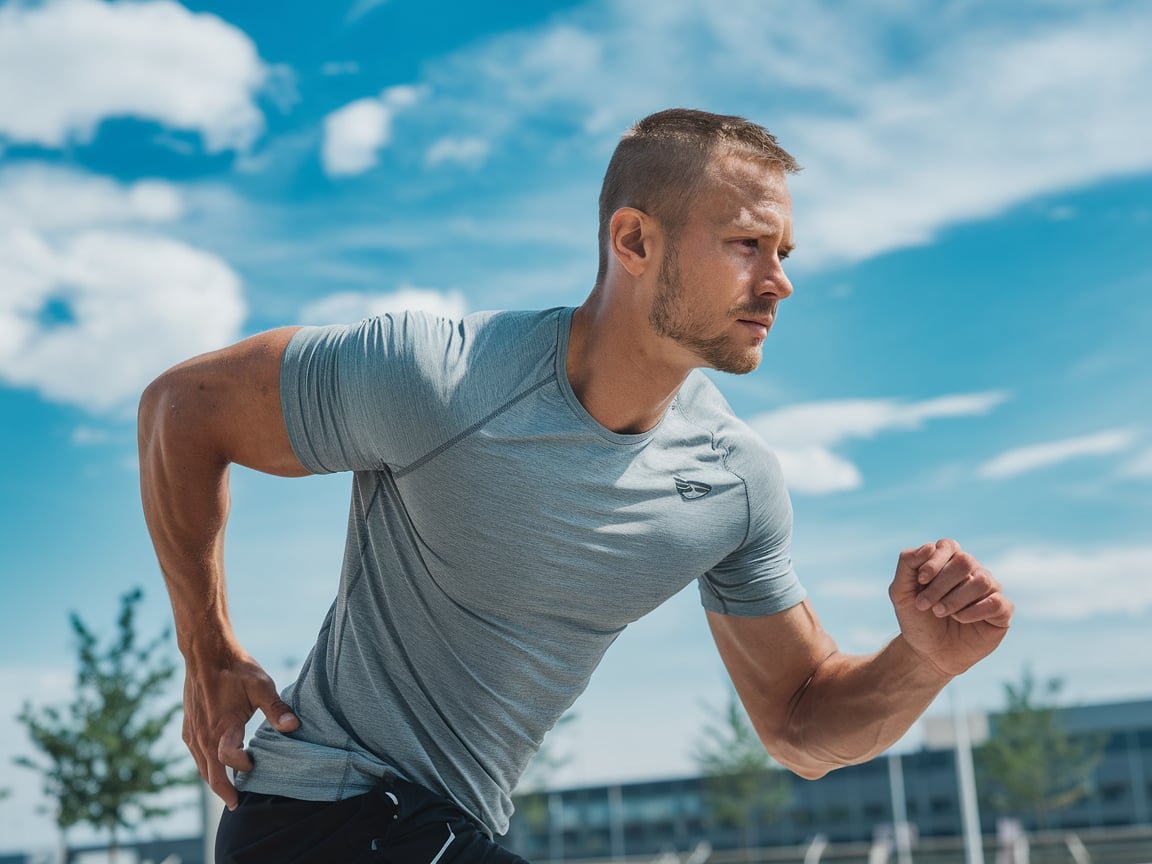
(1022, 460)
(464, 151)
(353, 306)
(1051, 583)
(1140, 466)
(803, 436)
(888, 162)
(355, 134)
(361, 8)
(67, 65)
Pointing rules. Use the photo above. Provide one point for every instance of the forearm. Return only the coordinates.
(184, 492)
(855, 707)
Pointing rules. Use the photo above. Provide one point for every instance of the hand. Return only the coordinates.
(951, 611)
(220, 697)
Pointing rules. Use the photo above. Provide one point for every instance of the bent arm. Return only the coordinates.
(194, 421)
(814, 707)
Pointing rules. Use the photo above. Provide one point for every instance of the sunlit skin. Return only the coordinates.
(731, 251)
(705, 297)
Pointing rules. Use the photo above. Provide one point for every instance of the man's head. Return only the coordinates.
(659, 165)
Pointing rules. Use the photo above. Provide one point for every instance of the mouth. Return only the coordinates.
(759, 326)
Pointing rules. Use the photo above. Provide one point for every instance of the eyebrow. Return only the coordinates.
(763, 229)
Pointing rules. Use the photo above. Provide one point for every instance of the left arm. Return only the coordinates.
(816, 708)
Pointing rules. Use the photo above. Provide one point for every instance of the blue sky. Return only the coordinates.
(967, 352)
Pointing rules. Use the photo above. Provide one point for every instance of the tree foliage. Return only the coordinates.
(1030, 764)
(742, 783)
(100, 758)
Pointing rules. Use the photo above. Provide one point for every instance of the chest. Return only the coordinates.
(563, 524)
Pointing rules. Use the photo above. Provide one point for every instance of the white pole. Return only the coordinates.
(901, 833)
(966, 775)
(210, 811)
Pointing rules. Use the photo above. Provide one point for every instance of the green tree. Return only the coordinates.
(1030, 764)
(100, 762)
(742, 783)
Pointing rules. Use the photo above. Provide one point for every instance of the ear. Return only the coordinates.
(632, 239)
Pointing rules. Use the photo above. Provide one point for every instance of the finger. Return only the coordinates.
(911, 560)
(219, 782)
(973, 587)
(995, 610)
(194, 749)
(942, 553)
(230, 751)
(959, 570)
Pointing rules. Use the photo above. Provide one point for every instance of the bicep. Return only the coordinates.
(770, 659)
(225, 403)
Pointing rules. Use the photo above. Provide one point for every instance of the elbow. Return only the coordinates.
(150, 412)
(803, 766)
(809, 772)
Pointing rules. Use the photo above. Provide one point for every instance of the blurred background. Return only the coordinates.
(967, 352)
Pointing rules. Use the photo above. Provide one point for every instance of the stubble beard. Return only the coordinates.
(669, 318)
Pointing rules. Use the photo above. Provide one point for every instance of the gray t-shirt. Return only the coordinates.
(499, 540)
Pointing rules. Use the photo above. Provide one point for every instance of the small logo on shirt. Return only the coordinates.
(690, 489)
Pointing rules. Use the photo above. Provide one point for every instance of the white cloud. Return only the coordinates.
(47, 198)
(353, 306)
(803, 435)
(134, 303)
(355, 134)
(86, 436)
(1033, 457)
(1075, 584)
(1140, 466)
(970, 122)
(464, 151)
(93, 302)
(67, 65)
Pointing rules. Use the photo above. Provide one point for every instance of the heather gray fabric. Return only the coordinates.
(499, 540)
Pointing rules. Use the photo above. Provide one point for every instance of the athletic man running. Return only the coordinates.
(525, 485)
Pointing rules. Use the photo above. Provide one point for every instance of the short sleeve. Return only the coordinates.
(367, 395)
(758, 577)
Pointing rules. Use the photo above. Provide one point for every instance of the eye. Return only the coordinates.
(750, 243)
(783, 254)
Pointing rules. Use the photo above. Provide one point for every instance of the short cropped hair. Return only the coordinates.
(659, 163)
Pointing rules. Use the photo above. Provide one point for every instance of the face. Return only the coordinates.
(721, 277)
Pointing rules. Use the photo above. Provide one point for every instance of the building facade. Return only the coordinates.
(851, 805)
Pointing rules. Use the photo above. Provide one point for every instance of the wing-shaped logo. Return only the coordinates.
(690, 489)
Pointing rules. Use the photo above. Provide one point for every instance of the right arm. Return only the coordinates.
(195, 420)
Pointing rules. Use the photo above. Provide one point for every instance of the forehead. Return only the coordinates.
(743, 191)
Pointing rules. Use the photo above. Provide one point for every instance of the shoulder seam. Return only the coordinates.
(483, 421)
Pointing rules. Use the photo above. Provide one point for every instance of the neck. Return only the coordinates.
(618, 369)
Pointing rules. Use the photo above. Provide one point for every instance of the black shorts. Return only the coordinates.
(396, 823)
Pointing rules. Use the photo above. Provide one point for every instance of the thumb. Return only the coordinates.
(278, 712)
(907, 568)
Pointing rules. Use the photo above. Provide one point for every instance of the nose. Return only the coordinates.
(775, 282)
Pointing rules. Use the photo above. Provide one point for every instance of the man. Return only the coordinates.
(526, 485)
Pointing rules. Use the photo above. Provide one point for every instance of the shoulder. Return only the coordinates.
(701, 403)
(432, 345)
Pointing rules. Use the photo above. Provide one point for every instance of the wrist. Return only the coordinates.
(922, 670)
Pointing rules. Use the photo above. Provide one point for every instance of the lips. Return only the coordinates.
(759, 326)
